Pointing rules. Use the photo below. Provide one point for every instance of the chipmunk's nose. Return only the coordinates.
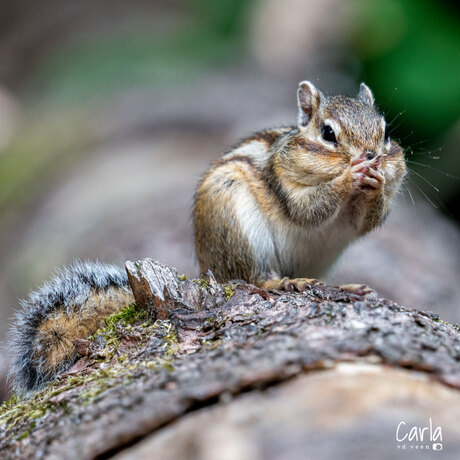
(369, 154)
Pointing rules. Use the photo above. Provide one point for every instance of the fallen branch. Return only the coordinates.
(210, 344)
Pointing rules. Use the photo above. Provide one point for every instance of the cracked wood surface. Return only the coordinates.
(139, 383)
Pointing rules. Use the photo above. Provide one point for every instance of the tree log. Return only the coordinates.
(200, 370)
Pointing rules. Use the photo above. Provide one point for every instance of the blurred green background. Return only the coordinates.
(72, 56)
(111, 110)
(410, 53)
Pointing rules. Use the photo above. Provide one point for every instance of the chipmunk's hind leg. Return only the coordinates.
(231, 236)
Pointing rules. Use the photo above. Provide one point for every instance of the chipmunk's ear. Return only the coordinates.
(365, 95)
(308, 101)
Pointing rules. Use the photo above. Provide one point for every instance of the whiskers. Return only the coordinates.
(409, 192)
(415, 175)
(439, 171)
(424, 179)
(394, 128)
(418, 159)
(422, 192)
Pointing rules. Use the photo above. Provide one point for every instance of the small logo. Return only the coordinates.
(418, 438)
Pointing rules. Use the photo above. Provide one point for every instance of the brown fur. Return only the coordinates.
(269, 137)
(211, 231)
(55, 336)
(293, 179)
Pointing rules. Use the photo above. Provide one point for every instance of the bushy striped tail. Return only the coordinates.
(72, 305)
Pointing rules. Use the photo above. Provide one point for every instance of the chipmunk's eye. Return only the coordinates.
(328, 134)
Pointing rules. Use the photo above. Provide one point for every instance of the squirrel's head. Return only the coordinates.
(335, 130)
(343, 125)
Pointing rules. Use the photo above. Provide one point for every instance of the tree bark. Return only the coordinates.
(203, 371)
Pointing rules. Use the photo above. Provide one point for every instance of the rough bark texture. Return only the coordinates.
(237, 371)
(160, 290)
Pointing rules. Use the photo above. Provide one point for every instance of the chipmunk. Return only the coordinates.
(281, 206)
(284, 203)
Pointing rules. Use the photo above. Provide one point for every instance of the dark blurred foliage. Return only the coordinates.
(412, 47)
(410, 54)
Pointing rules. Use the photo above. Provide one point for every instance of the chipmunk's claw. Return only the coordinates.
(290, 284)
(367, 174)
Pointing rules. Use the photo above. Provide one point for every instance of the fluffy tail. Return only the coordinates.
(72, 305)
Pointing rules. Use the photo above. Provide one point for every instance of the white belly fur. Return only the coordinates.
(309, 253)
(257, 231)
(283, 249)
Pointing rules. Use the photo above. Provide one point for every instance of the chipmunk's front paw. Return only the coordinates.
(367, 174)
(289, 284)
